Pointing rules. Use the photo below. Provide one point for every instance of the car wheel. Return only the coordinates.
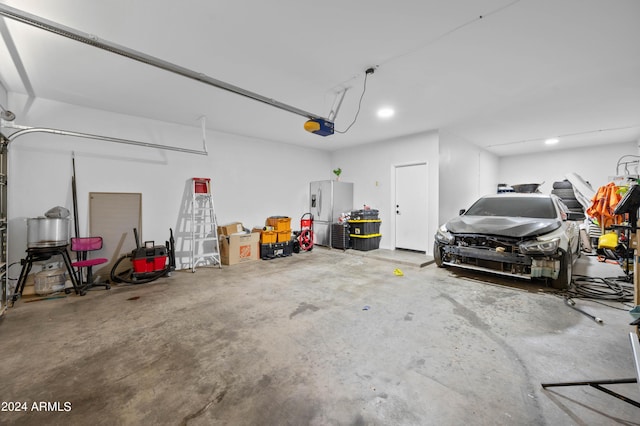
(566, 271)
(437, 255)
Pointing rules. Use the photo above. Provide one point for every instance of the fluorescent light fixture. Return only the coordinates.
(386, 112)
(551, 141)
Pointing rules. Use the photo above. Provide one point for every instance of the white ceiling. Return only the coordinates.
(501, 74)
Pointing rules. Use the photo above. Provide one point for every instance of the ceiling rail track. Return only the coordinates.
(92, 40)
(24, 130)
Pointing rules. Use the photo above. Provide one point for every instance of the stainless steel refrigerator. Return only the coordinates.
(328, 200)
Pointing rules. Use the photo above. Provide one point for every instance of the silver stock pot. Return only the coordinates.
(47, 232)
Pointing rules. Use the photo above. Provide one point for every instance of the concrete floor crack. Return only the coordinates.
(216, 398)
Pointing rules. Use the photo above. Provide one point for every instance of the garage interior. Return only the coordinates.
(131, 116)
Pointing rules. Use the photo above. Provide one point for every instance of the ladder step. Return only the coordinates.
(206, 239)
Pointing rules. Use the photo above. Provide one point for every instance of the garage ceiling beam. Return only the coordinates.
(92, 40)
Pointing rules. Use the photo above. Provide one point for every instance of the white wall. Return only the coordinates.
(370, 167)
(251, 179)
(466, 173)
(3, 96)
(594, 164)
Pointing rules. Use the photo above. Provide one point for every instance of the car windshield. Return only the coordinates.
(536, 207)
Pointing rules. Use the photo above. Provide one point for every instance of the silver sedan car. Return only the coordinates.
(525, 235)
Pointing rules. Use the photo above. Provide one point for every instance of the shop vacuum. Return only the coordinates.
(148, 262)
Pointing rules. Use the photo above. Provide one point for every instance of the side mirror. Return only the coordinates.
(461, 212)
(575, 216)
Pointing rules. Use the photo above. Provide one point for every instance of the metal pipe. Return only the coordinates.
(203, 125)
(26, 130)
(92, 40)
(334, 112)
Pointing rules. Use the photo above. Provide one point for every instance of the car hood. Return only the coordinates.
(516, 227)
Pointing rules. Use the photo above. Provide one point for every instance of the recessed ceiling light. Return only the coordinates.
(386, 112)
(551, 141)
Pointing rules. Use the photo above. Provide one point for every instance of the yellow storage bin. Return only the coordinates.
(608, 240)
(266, 237)
(279, 223)
(284, 236)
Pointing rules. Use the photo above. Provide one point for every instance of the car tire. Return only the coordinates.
(572, 203)
(437, 255)
(563, 281)
(564, 193)
(565, 184)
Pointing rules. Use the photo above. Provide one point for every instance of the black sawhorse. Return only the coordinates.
(37, 254)
(598, 384)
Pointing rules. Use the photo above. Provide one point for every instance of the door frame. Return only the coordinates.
(394, 167)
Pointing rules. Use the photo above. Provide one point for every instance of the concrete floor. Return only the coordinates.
(319, 338)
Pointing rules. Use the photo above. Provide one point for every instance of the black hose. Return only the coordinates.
(614, 289)
(600, 290)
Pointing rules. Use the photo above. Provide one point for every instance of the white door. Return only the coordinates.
(411, 207)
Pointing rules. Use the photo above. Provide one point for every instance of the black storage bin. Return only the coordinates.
(364, 226)
(364, 214)
(340, 236)
(365, 242)
(274, 250)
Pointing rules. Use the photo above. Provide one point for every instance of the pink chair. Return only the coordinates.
(83, 246)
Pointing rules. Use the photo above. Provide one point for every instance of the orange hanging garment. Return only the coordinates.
(604, 203)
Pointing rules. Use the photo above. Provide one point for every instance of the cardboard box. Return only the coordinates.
(230, 229)
(239, 248)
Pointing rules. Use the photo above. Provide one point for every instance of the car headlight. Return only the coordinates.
(540, 247)
(443, 236)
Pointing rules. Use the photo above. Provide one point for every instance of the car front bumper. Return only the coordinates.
(503, 263)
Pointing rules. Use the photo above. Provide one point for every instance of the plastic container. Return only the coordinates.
(608, 240)
(272, 251)
(364, 226)
(279, 223)
(365, 242)
(268, 237)
(364, 214)
(50, 281)
(284, 236)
